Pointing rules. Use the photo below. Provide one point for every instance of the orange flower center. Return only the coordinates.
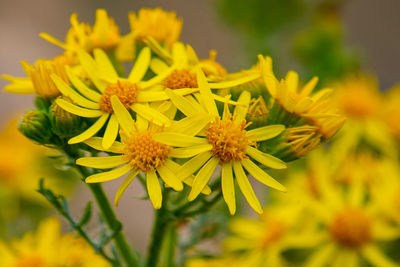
(351, 228)
(228, 139)
(145, 153)
(274, 231)
(181, 79)
(126, 92)
(30, 261)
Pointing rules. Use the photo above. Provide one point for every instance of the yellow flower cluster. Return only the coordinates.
(174, 117)
(48, 247)
(342, 209)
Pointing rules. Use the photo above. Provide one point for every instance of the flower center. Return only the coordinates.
(274, 231)
(351, 228)
(228, 139)
(30, 261)
(126, 92)
(181, 79)
(145, 153)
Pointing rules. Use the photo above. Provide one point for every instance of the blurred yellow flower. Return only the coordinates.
(391, 111)
(262, 241)
(104, 34)
(161, 25)
(48, 247)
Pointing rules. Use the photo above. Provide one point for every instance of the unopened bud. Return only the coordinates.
(35, 126)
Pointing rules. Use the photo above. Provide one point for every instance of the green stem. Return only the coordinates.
(170, 246)
(107, 213)
(111, 220)
(160, 226)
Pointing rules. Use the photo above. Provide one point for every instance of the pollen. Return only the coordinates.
(181, 79)
(144, 153)
(126, 92)
(351, 228)
(228, 139)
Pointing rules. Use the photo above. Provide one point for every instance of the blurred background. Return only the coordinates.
(348, 36)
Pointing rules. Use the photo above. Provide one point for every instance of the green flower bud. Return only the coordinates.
(63, 123)
(35, 126)
(43, 103)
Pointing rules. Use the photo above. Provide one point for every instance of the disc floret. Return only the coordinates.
(143, 152)
(228, 139)
(126, 92)
(182, 78)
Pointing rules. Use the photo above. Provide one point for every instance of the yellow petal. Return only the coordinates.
(158, 66)
(97, 143)
(376, 257)
(174, 167)
(261, 175)
(246, 188)
(108, 176)
(151, 114)
(101, 162)
(128, 180)
(71, 93)
(82, 88)
(104, 66)
(92, 130)
(322, 256)
(265, 133)
(205, 93)
(122, 114)
(292, 79)
(53, 40)
(236, 82)
(191, 125)
(111, 132)
(89, 65)
(202, 177)
(179, 56)
(154, 189)
(265, 159)
(187, 152)
(178, 139)
(18, 85)
(228, 188)
(309, 87)
(141, 123)
(192, 165)
(82, 112)
(170, 178)
(240, 111)
(140, 66)
(155, 80)
(182, 103)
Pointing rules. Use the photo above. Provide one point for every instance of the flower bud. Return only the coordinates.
(63, 123)
(35, 126)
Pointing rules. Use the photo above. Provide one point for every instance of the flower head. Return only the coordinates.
(47, 246)
(104, 34)
(223, 140)
(161, 25)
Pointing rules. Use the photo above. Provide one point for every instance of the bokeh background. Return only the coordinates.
(371, 29)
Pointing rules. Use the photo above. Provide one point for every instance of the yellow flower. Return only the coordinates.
(279, 228)
(358, 97)
(47, 246)
(349, 227)
(104, 34)
(181, 62)
(38, 81)
(161, 25)
(133, 92)
(391, 111)
(225, 142)
(138, 152)
(316, 108)
(219, 262)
